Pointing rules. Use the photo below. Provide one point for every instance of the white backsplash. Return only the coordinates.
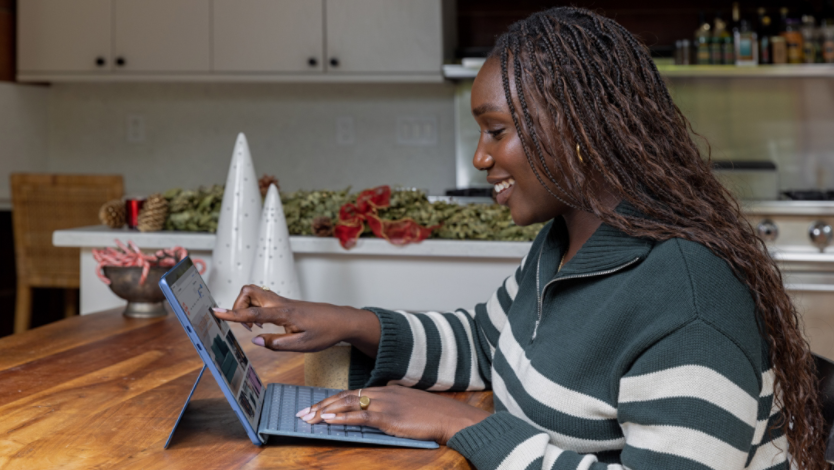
(789, 121)
(190, 131)
(23, 130)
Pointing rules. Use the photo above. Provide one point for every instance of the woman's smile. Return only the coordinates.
(503, 190)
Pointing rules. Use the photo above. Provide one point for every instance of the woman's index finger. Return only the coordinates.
(245, 315)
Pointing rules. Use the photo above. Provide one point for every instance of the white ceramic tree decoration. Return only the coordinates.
(237, 229)
(273, 265)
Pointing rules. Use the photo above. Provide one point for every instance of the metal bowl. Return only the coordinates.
(143, 301)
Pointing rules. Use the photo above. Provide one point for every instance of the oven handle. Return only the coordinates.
(809, 287)
(783, 257)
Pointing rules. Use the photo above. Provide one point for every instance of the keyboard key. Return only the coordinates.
(320, 429)
(337, 430)
(353, 429)
(319, 394)
(355, 434)
(370, 430)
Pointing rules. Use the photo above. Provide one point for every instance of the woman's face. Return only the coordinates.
(501, 154)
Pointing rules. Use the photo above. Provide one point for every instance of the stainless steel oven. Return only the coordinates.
(799, 237)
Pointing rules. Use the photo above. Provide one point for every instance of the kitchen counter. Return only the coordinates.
(432, 275)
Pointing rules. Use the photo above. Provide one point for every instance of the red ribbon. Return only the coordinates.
(352, 218)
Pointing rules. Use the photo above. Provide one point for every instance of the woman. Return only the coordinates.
(646, 328)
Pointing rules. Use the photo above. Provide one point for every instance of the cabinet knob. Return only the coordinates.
(120, 61)
(101, 61)
(312, 61)
(334, 62)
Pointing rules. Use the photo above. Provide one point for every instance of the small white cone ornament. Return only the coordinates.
(237, 229)
(273, 266)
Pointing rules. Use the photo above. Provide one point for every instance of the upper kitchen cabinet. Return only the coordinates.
(384, 36)
(235, 40)
(268, 36)
(60, 36)
(162, 36)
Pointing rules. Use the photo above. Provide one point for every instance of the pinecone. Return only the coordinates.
(153, 214)
(323, 226)
(112, 213)
(265, 181)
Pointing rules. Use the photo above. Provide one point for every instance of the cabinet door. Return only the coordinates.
(162, 35)
(63, 36)
(268, 35)
(384, 36)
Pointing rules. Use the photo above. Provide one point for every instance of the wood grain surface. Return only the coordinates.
(102, 391)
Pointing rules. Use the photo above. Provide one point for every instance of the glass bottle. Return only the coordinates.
(827, 47)
(826, 33)
(717, 41)
(702, 41)
(793, 41)
(809, 39)
(763, 32)
(746, 44)
(728, 49)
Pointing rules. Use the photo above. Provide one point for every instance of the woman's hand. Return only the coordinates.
(309, 326)
(398, 411)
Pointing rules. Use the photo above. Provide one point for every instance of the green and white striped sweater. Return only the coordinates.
(635, 355)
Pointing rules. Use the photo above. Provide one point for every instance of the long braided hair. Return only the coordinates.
(589, 80)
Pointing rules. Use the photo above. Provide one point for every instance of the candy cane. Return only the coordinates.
(200, 263)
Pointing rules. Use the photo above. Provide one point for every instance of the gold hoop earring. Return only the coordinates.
(579, 154)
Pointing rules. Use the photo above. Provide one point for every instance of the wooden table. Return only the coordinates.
(103, 391)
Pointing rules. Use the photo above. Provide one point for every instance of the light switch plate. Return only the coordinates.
(417, 131)
(345, 134)
(135, 129)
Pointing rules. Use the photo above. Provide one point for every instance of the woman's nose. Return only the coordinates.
(482, 160)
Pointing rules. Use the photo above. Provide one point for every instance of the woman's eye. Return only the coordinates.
(495, 133)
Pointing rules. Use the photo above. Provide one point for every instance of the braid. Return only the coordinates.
(603, 93)
(505, 79)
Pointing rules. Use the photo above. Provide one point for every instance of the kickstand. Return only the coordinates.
(187, 400)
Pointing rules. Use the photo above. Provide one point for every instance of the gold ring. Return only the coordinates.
(364, 402)
(265, 288)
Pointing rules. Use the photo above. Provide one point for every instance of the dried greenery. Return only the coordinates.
(194, 210)
(301, 207)
(458, 222)
(198, 211)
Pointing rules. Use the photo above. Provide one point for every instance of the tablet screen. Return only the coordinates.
(218, 340)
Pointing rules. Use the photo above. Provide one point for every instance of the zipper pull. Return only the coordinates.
(535, 329)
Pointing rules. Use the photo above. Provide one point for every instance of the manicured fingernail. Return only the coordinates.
(258, 340)
(328, 415)
(220, 310)
(259, 325)
(246, 325)
(308, 416)
(302, 412)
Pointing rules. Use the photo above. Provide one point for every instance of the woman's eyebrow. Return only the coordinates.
(486, 108)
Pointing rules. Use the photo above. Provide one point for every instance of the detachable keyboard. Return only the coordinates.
(282, 402)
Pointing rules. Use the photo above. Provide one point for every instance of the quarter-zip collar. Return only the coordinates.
(608, 248)
(607, 251)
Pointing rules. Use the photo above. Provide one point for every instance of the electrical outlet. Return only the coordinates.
(417, 131)
(135, 129)
(344, 130)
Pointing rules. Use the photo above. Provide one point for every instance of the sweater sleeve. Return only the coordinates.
(434, 350)
(690, 401)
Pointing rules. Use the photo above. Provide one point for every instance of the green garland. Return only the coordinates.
(198, 211)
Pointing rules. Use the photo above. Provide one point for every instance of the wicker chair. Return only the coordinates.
(41, 204)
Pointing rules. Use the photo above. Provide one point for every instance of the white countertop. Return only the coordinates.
(101, 236)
